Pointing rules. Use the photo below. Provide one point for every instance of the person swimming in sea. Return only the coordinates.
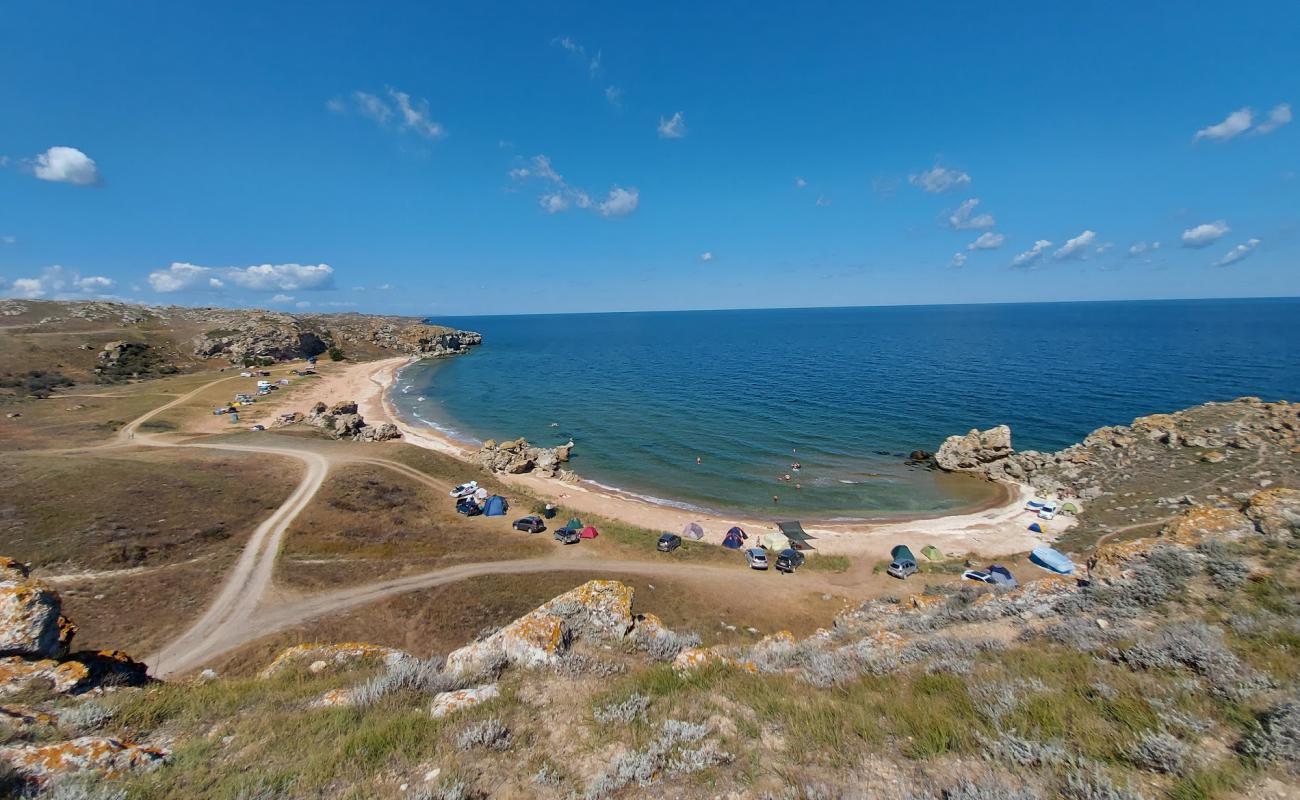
(698, 461)
(776, 499)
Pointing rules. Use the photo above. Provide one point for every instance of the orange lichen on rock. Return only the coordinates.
(39, 763)
(343, 654)
(1197, 522)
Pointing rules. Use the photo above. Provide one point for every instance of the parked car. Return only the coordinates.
(530, 524)
(258, 428)
(668, 543)
(789, 560)
(465, 489)
(902, 563)
(245, 374)
(568, 536)
(1048, 511)
(978, 575)
(756, 558)
(468, 508)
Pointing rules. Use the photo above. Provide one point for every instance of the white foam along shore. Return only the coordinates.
(992, 531)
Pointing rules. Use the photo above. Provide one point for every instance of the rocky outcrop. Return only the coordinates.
(445, 703)
(341, 421)
(518, 456)
(1276, 512)
(38, 764)
(598, 610)
(279, 337)
(31, 624)
(321, 657)
(983, 452)
(429, 341)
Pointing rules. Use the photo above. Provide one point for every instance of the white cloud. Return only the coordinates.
(799, 182)
(939, 179)
(823, 201)
(987, 241)
(8, 239)
(1238, 253)
(282, 298)
(258, 278)
(1205, 234)
(1142, 248)
(958, 260)
(302, 304)
(1233, 125)
(411, 114)
(672, 128)
(593, 64)
(614, 96)
(66, 165)
(706, 256)
(60, 284)
(1076, 247)
(560, 196)
(1279, 116)
(1032, 254)
(620, 202)
(965, 218)
(415, 116)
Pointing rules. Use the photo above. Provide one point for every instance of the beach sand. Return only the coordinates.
(1001, 529)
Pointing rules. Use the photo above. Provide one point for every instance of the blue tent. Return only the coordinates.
(496, 506)
(1035, 527)
(734, 539)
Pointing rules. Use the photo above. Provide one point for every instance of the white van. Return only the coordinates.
(263, 384)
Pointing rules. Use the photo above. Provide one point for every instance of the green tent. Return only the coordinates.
(1070, 508)
(902, 553)
(931, 552)
(574, 524)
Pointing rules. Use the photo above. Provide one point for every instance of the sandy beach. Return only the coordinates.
(992, 531)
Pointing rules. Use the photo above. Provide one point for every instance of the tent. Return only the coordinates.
(589, 533)
(776, 542)
(734, 539)
(1051, 560)
(1036, 528)
(931, 552)
(496, 506)
(574, 524)
(1002, 576)
(902, 552)
(795, 533)
(1070, 508)
(693, 531)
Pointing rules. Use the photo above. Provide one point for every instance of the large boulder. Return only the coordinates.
(517, 456)
(383, 432)
(976, 451)
(445, 703)
(31, 622)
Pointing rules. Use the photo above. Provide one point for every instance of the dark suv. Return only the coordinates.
(568, 536)
(669, 542)
(530, 524)
(789, 560)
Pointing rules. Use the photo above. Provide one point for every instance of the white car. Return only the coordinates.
(1048, 511)
(756, 558)
(464, 490)
(245, 374)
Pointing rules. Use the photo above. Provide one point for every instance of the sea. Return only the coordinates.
(711, 410)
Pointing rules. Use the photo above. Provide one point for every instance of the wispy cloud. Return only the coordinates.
(1205, 234)
(614, 96)
(822, 201)
(1279, 116)
(939, 179)
(410, 114)
(8, 239)
(957, 261)
(1031, 255)
(799, 182)
(1142, 248)
(673, 127)
(66, 165)
(559, 196)
(1238, 253)
(579, 52)
(706, 256)
(965, 218)
(1240, 121)
(987, 241)
(181, 276)
(1076, 248)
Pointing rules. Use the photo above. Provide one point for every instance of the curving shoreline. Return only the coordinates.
(996, 527)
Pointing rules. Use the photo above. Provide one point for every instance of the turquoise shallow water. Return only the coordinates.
(851, 390)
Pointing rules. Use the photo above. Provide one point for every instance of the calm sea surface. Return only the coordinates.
(844, 392)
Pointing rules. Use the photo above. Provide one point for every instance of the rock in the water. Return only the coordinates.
(975, 451)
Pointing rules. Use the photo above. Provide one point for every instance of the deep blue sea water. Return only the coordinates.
(644, 394)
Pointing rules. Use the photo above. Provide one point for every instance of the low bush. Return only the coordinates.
(627, 711)
(491, 734)
(1093, 784)
(1275, 736)
(669, 753)
(424, 676)
(1158, 752)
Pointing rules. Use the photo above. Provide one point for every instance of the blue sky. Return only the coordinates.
(505, 158)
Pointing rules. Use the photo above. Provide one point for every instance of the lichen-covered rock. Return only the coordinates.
(18, 674)
(1275, 512)
(39, 763)
(18, 719)
(596, 610)
(693, 658)
(112, 668)
(1199, 522)
(345, 654)
(517, 456)
(446, 703)
(30, 620)
(335, 698)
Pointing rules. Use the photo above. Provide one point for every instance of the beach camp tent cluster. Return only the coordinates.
(472, 500)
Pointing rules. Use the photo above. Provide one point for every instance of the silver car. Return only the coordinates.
(756, 558)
